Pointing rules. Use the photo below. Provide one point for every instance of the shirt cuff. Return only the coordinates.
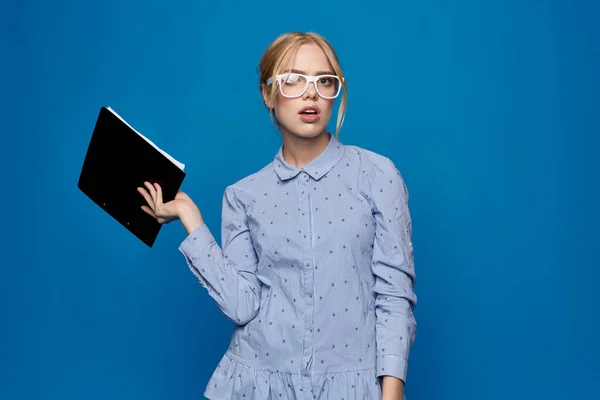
(196, 241)
(393, 366)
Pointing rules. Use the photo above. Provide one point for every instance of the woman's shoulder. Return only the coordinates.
(244, 188)
(378, 173)
(372, 162)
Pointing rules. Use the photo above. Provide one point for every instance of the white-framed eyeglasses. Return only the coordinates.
(294, 85)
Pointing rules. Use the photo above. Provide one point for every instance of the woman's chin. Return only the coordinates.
(307, 130)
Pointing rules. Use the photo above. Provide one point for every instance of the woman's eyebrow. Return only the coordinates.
(297, 71)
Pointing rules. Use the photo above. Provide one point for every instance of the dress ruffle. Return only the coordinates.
(233, 379)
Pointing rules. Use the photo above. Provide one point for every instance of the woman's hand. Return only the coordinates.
(393, 388)
(181, 207)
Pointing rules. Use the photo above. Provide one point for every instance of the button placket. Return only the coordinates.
(308, 278)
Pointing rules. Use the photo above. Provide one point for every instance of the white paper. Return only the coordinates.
(174, 161)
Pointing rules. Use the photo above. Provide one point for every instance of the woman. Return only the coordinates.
(316, 264)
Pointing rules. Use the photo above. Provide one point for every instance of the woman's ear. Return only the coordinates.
(267, 96)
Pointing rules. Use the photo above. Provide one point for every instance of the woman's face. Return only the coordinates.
(292, 114)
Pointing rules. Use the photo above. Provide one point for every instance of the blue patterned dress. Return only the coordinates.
(316, 271)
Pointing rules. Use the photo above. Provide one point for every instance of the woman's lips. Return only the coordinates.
(310, 114)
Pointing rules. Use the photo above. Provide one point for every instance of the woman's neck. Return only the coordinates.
(299, 151)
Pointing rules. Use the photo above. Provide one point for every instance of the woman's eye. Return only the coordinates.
(325, 81)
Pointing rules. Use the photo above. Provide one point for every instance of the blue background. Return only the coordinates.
(489, 109)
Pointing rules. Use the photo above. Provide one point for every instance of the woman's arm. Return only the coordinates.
(393, 267)
(228, 273)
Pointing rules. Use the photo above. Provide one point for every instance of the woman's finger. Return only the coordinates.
(159, 199)
(149, 211)
(152, 191)
(147, 197)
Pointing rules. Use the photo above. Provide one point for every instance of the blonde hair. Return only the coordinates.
(279, 53)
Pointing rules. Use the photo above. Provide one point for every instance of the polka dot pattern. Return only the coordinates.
(316, 270)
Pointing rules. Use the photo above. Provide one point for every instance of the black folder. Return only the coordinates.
(118, 161)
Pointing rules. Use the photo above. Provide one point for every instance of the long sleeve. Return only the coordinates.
(393, 267)
(228, 273)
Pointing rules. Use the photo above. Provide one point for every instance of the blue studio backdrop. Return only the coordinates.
(489, 109)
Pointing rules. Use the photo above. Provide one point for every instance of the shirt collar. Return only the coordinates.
(317, 168)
